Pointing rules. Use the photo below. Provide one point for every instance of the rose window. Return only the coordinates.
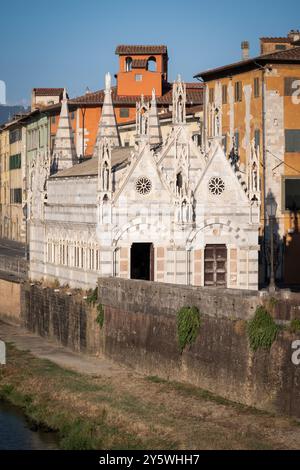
(216, 186)
(143, 185)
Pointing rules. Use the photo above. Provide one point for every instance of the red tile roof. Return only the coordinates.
(48, 91)
(291, 55)
(140, 49)
(275, 39)
(139, 63)
(194, 94)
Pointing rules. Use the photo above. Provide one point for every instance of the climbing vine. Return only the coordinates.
(92, 296)
(261, 330)
(188, 325)
(100, 316)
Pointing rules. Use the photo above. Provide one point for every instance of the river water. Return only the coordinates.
(15, 432)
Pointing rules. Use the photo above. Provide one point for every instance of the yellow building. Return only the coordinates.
(13, 159)
(4, 183)
(258, 99)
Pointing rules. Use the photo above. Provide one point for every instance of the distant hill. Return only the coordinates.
(7, 112)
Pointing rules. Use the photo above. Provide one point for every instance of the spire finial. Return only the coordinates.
(107, 81)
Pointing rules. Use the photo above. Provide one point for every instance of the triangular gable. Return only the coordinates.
(143, 165)
(219, 182)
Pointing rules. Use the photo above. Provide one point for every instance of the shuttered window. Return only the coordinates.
(211, 95)
(124, 112)
(15, 161)
(292, 140)
(238, 91)
(16, 196)
(257, 138)
(256, 88)
(224, 94)
(291, 194)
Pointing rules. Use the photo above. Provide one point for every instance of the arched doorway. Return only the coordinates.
(142, 261)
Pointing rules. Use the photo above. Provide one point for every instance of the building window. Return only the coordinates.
(16, 196)
(138, 77)
(197, 139)
(292, 140)
(211, 95)
(73, 116)
(257, 138)
(280, 47)
(124, 112)
(53, 119)
(15, 135)
(15, 161)
(151, 64)
(256, 88)
(128, 64)
(238, 91)
(126, 143)
(224, 94)
(291, 194)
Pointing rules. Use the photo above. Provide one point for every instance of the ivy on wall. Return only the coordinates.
(261, 330)
(188, 325)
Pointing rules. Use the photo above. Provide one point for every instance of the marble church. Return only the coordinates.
(163, 210)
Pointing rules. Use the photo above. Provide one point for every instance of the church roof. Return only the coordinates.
(119, 155)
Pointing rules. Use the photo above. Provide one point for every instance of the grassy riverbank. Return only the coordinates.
(100, 412)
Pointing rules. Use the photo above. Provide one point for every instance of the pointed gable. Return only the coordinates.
(220, 183)
(64, 153)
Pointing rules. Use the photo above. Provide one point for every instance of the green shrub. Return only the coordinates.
(93, 296)
(188, 325)
(100, 316)
(261, 330)
(295, 325)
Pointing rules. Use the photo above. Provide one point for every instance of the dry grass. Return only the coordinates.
(94, 412)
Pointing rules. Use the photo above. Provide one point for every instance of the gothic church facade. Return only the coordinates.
(166, 211)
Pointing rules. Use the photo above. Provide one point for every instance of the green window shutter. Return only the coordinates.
(292, 140)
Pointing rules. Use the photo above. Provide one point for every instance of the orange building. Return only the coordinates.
(258, 100)
(141, 68)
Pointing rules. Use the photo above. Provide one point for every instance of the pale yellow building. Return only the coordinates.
(13, 160)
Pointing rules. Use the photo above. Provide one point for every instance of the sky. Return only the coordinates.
(71, 43)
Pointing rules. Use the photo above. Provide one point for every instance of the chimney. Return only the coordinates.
(294, 35)
(245, 50)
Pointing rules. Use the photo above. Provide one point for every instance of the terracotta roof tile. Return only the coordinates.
(141, 49)
(284, 56)
(194, 92)
(139, 63)
(276, 39)
(48, 91)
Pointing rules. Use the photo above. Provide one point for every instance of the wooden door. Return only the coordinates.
(215, 265)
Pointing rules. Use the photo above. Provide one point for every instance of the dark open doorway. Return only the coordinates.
(142, 261)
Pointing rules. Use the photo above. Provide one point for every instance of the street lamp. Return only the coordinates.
(271, 207)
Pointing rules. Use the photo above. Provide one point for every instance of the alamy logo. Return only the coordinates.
(296, 92)
(296, 353)
(2, 92)
(2, 353)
